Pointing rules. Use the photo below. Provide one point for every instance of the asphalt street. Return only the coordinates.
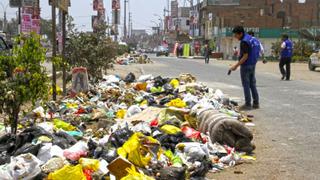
(287, 125)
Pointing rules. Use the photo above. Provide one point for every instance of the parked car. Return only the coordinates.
(314, 61)
(161, 51)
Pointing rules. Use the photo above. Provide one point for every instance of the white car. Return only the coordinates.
(314, 61)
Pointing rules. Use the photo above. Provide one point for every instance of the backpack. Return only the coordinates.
(256, 47)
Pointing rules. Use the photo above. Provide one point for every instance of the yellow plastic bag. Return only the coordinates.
(178, 103)
(72, 105)
(134, 175)
(138, 149)
(92, 164)
(68, 172)
(121, 113)
(169, 129)
(174, 83)
(59, 124)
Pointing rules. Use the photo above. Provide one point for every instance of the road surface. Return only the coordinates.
(287, 125)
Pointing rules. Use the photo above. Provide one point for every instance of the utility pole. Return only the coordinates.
(125, 20)
(54, 50)
(130, 24)
(64, 37)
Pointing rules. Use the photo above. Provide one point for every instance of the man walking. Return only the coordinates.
(207, 53)
(247, 61)
(286, 55)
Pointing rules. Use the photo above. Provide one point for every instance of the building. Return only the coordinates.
(268, 18)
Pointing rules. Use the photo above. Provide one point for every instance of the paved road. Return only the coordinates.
(287, 125)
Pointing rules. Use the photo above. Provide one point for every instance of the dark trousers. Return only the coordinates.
(248, 78)
(206, 59)
(285, 61)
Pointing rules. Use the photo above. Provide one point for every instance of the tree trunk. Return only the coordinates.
(14, 119)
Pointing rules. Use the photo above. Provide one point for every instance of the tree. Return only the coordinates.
(95, 51)
(22, 78)
(46, 28)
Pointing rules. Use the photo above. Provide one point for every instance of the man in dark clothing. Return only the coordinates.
(247, 62)
(207, 53)
(286, 55)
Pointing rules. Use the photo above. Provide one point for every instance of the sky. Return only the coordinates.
(142, 12)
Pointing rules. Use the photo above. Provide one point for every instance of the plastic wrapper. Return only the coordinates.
(174, 83)
(28, 148)
(192, 133)
(121, 113)
(132, 111)
(130, 78)
(68, 172)
(140, 149)
(172, 173)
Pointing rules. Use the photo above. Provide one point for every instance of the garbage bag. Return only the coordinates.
(68, 172)
(44, 152)
(169, 142)
(133, 110)
(178, 103)
(120, 136)
(170, 129)
(172, 173)
(134, 175)
(144, 78)
(159, 81)
(195, 151)
(192, 133)
(80, 149)
(88, 173)
(130, 78)
(121, 113)
(59, 124)
(174, 116)
(92, 164)
(168, 88)
(139, 149)
(4, 158)
(63, 139)
(176, 161)
(28, 148)
(25, 166)
(53, 165)
(174, 83)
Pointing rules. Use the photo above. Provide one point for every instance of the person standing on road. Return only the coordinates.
(286, 55)
(207, 53)
(247, 61)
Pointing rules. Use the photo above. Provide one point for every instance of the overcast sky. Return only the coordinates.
(81, 10)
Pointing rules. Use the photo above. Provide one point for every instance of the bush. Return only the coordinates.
(95, 51)
(122, 49)
(300, 59)
(22, 78)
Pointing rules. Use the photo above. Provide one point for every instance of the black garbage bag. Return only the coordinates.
(108, 155)
(151, 100)
(199, 172)
(8, 143)
(170, 141)
(4, 158)
(92, 147)
(120, 136)
(165, 100)
(63, 140)
(172, 173)
(168, 88)
(130, 78)
(28, 148)
(159, 81)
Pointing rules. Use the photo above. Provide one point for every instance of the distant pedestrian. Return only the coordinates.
(207, 53)
(286, 57)
(247, 62)
(257, 43)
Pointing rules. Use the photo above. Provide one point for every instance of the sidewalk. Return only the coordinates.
(299, 71)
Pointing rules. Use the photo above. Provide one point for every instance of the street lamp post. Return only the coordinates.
(4, 8)
(160, 19)
(157, 26)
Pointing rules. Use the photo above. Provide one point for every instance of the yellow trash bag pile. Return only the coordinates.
(92, 164)
(68, 172)
(134, 175)
(140, 149)
(178, 103)
(170, 129)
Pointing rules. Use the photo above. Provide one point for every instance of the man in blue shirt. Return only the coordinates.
(247, 62)
(286, 55)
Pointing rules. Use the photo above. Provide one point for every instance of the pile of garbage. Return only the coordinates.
(133, 59)
(132, 128)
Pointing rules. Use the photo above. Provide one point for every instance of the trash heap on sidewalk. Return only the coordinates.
(144, 128)
(133, 59)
